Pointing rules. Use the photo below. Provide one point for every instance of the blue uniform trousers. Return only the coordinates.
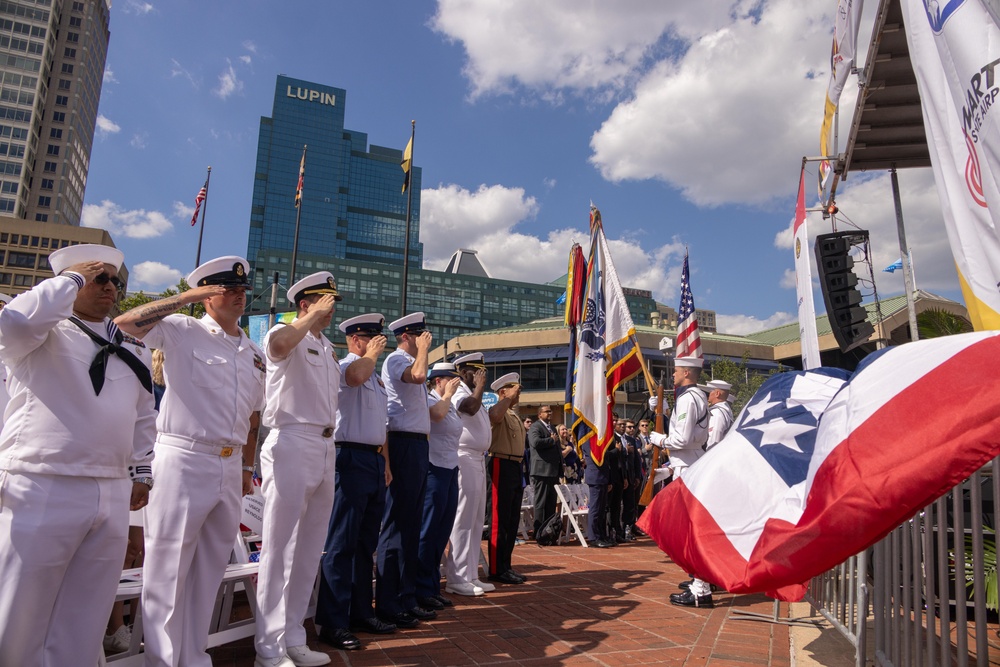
(440, 505)
(396, 573)
(597, 520)
(345, 590)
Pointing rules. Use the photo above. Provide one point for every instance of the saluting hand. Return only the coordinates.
(375, 347)
(450, 387)
(325, 305)
(424, 341)
(89, 270)
(479, 379)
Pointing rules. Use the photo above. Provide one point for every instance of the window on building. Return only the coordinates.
(55, 133)
(45, 243)
(22, 259)
(75, 22)
(77, 6)
(21, 280)
(67, 68)
(65, 84)
(52, 150)
(48, 183)
(49, 167)
(44, 201)
(58, 117)
(43, 262)
(4, 237)
(34, 241)
(5, 278)
(62, 100)
(72, 37)
(69, 53)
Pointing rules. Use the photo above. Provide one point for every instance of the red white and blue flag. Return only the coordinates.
(688, 337)
(822, 464)
(198, 201)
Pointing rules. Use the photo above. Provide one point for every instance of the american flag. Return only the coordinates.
(302, 176)
(198, 201)
(688, 338)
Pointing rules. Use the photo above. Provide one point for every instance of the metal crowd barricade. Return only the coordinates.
(927, 582)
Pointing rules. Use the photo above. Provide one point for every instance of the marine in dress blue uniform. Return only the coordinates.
(345, 593)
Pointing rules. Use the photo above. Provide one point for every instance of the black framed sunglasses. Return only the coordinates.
(105, 278)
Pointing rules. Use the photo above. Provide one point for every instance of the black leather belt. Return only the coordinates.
(408, 434)
(360, 446)
(508, 457)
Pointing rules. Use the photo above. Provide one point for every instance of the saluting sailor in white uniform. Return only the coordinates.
(208, 426)
(462, 562)
(81, 423)
(687, 437)
(720, 412)
(297, 462)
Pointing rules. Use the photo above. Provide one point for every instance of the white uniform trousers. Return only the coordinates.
(462, 564)
(698, 587)
(298, 467)
(191, 524)
(62, 545)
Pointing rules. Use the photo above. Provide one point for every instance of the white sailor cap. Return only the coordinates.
(716, 384)
(321, 282)
(370, 324)
(230, 271)
(689, 362)
(442, 369)
(505, 381)
(475, 360)
(412, 323)
(4, 298)
(66, 257)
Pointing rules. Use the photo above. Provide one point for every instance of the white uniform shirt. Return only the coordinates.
(688, 429)
(407, 401)
(720, 419)
(57, 424)
(476, 429)
(442, 449)
(215, 381)
(361, 410)
(302, 388)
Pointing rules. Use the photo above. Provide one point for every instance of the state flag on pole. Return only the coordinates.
(407, 163)
(808, 336)
(198, 201)
(688, 337)
(822, 464)
(302, 176)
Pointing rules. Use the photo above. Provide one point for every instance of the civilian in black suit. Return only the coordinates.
(546, 465)
(598, 479)
(614, 457)
(633, 477)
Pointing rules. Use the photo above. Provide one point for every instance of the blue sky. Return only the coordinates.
(684, 122)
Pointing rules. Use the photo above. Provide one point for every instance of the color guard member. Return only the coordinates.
(297, 461)
(720, 412)
(81, 423)
(507, 452)
(207, 434)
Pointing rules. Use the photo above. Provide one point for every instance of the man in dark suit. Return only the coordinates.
(546, 464)
(633, 477)
(598, 478)
(614, 458)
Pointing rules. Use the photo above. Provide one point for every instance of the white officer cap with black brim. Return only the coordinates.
(505, 381)
(321, 282)
(69, 256)
(228, 271)
(475, 360)
(689, 362)
(370, 325)
(413, 324)
(442, 369)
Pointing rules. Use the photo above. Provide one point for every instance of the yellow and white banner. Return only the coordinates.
(842, 55)
(955, 50)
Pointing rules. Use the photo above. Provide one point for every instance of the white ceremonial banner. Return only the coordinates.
(842, 55)
(808, 337)
(955, 50)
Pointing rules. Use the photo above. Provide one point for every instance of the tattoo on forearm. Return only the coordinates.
(154, 312)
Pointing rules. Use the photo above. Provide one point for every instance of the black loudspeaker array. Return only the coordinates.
(848, 319)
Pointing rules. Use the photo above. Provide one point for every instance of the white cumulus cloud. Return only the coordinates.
(741, 325)
(229, 83)
(106, 126)
(155, 275)
(183, 211)
(138, 7)
(134, 224)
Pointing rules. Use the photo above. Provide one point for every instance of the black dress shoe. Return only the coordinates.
(517, 575)
(403, 619)
(373, 625)
(443, 600)
(340, 638)
(507, 577)
(430, 603)
(423, 614)
(685, 585)
(689, 599)
(603, 544)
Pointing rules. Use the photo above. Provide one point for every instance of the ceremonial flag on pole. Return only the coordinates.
(808, 337)
(407, 163)
(302, 176)
(822, 464)
(688, 338)
(576, 277)
(198, 201)
(895, 266)
(608, 354)
(845, 38)
(954, 46)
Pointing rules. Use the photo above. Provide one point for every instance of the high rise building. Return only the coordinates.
(52, 56)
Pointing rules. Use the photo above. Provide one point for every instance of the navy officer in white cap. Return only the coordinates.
(207, 436)
(404, 373)
(297, 462)
(688, 434)
(720, 412)
(345, 592)
(81, 423)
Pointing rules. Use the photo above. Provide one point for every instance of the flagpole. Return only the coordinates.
(409, 204)
(204, 209)
(298, 219)
(272, 313)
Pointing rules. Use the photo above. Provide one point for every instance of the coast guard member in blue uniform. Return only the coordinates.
(404, 373)
(345, 592)
(207, 434)
(81, 423)
(297, 463)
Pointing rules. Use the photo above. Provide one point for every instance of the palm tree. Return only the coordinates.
(935, 323)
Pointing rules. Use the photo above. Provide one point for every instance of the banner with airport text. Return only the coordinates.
(955, 48)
